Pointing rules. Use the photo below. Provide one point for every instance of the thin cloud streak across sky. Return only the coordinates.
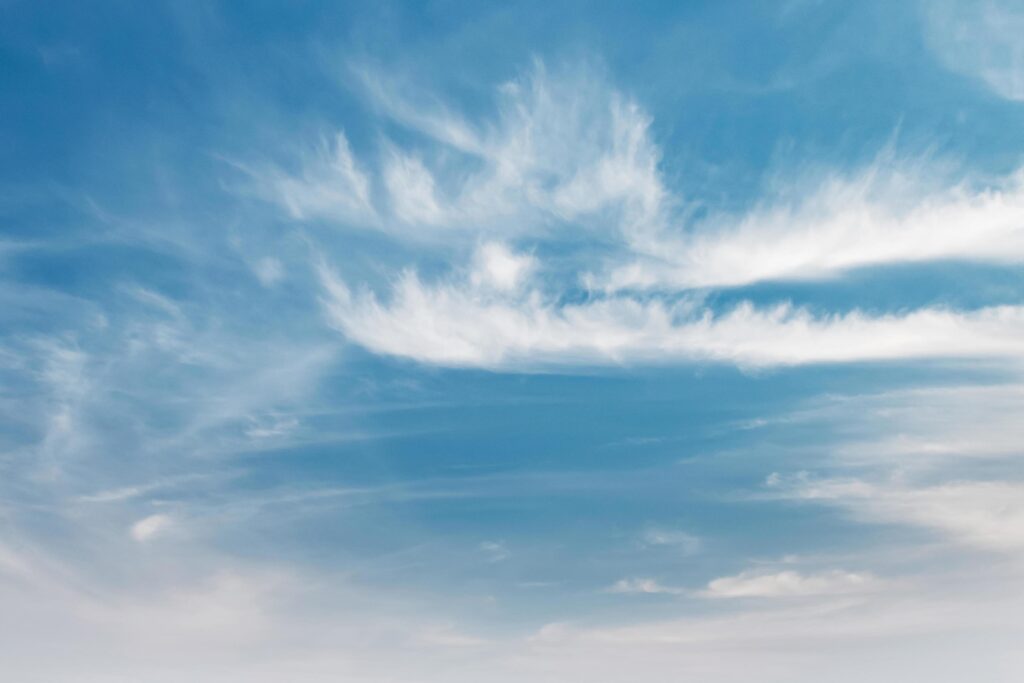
(457, 325)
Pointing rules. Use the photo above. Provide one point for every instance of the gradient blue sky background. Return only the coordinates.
(443, 341)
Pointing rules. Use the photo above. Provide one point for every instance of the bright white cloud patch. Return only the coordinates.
(454, 323)
(148, 528)
(877, 218)
(755, 584)
(495, 265)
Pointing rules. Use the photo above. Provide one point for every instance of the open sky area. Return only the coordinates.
(460, 342)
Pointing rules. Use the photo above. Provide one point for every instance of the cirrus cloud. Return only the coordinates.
(455, 323)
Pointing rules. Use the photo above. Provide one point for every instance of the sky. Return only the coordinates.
(465, 342)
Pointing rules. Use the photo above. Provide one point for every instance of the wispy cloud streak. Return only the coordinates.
(455, 324)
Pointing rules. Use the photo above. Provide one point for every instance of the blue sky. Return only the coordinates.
(444, 341)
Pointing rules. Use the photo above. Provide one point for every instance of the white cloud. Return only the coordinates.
(413, 192)
(910, 635)
(61, 373)
(495, 265)
(643, 586)
(496, 551)
(561, 146)
(410, 106)
(684, 542)
(988, 515)
(272, 428)
(453, 323)
(789, 583)
(13, 564)
(564, 152)
(129, 492)
(331, 185)
(569, 148)
(878, 217)
(269, 624)
(148, 528)
(938, 459)
(980, 38)
(269, 271)
(924, 427)
(210, 615)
